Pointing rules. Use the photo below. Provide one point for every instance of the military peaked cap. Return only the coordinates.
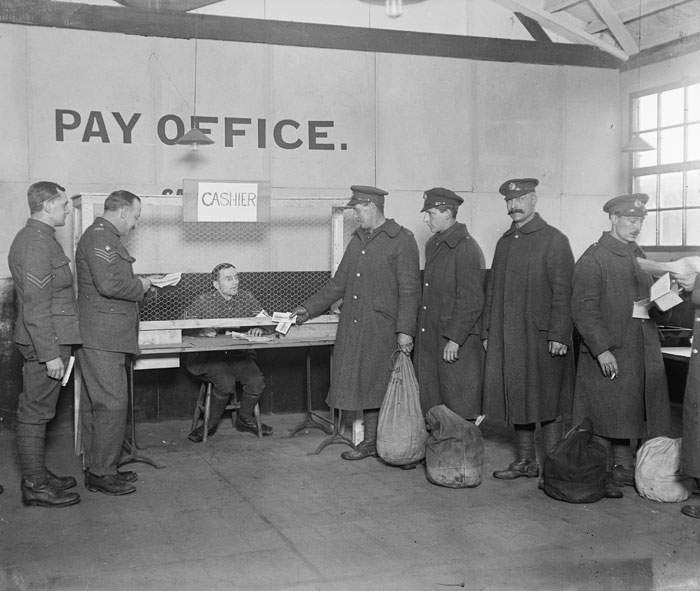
(438, 196)
(362, 194)
(517, 188)
(633, 205)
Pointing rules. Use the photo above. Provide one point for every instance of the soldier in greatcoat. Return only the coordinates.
(379, 281)
(691, 399)
(448, 355)
(108, 304)
(620, 378)
(45, 329)
(528, 374)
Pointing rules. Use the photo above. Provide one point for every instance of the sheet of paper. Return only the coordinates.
(284, 321)
(640, 309)
(246, 337)
(660, 287)
(283, 327)
(663, 295)
(66, 374)
(166, 280)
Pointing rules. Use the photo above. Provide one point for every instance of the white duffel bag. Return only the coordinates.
(657, 472)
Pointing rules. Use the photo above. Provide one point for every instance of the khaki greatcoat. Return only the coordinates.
(528, 304)
(450, 309)
(379, 282)
(607, 281)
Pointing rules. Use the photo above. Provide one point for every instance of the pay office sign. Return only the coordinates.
(225, 201)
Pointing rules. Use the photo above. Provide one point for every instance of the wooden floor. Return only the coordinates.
(249, 514)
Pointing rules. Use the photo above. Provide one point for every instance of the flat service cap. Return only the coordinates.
(513, 188)
(362, 194)
(632, 205)
(438, 196)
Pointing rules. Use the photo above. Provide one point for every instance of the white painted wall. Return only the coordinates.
(409, 123)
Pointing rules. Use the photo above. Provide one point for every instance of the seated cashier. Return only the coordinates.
(224, 368)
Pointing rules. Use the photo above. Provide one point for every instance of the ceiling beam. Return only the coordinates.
(562, 24)
(534, 28)
(175, 5)
(616, 27)
(557, 5)
(663, 52)
(627, 15)
(130, 21)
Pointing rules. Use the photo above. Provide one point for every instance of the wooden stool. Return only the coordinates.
(203, 407)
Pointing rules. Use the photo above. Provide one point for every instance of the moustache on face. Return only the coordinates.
(512, 211)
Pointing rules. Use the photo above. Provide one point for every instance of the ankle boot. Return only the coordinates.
(60, 482)
(623, 464)
(42, 494)
(525, 465)
(368, 447)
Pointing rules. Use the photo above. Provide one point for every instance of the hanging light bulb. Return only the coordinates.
(393, 8)
(194, 137)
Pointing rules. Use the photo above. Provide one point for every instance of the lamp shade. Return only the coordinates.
(194, 137)
(637, 144)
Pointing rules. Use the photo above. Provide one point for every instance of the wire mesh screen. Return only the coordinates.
(277, 291)
(281, 261)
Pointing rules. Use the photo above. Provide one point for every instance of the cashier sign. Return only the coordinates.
(227, 202)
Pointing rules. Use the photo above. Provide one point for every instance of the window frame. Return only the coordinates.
(683, 166)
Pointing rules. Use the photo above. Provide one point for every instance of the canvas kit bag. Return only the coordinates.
(401, 430)
(575, 471)
(454, 452)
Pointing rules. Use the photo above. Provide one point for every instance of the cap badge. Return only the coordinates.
(511, 186)
(638, 203)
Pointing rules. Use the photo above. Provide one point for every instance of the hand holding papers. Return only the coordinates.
(284, 321)
(663, 294)
(165, 280)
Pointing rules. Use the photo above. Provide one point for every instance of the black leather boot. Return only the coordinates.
(109, 484)
(367, 448)
(526, 464)
(44, 495)
(60, 482)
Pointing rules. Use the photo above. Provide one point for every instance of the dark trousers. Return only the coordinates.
(223, 370)
(36, 407)
(104, 403)
(39, 395)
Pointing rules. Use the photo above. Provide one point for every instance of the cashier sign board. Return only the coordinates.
(225, 201)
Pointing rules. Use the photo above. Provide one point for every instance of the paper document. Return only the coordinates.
(682, 266)
(66, 375)
(165, 280)
(284, 321)
(245, 336)
(662, 295)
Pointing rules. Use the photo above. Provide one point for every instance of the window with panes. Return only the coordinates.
(668, 119)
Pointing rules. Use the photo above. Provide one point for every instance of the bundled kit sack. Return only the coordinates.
(454, 452)
(401, 430)
(657, 472)
(575, 471)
